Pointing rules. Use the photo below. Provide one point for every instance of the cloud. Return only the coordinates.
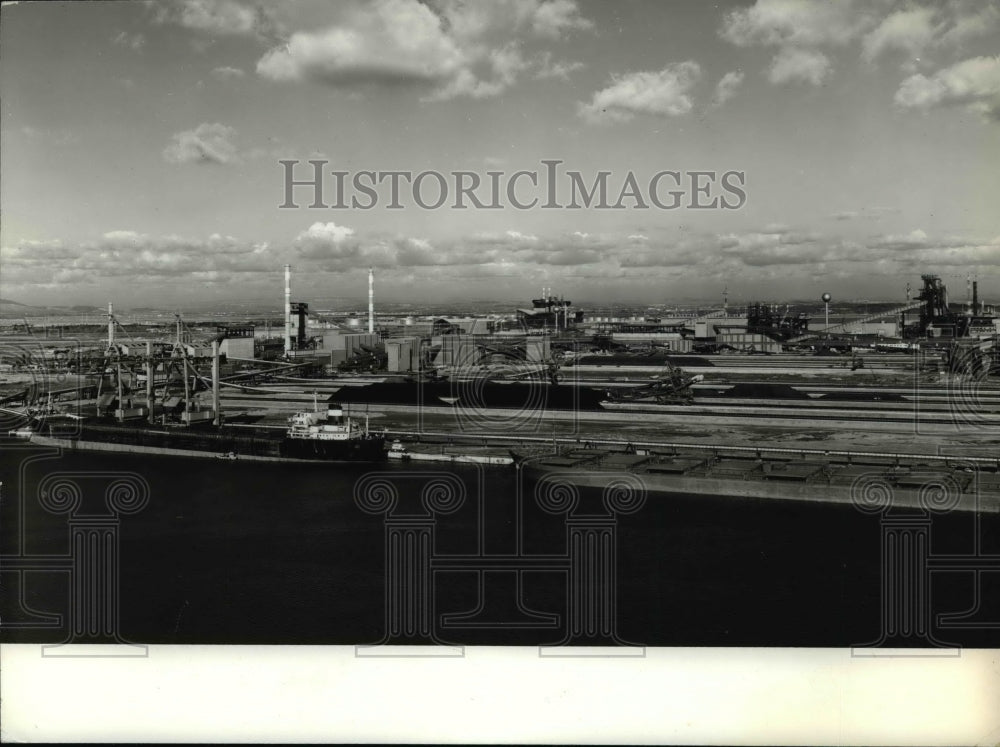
(918, 250)
(973, 83)
(135, 42)
(871, 212)
(552, 19)
(663, 93)
(130, 254)
(206, 144)
(448, 48)
(57, 137)
(222, 17)
(546, 67)
(472, 21)
(326, 233)
(911, 31)
(325, 252)
(915, 239)
(775, 245)
(394, 41)
(799, 65)
(37, 251)
(725, 89)
(795, 22)
(228, 73)
(505, 64)
(965, 25)
(337, 246)
(804, 31)
(518, 236)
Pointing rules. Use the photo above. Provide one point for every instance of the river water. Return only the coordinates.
(229, 552)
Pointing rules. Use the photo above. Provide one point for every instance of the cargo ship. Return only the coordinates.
(871, 482)
(331, 435)
(312, 436)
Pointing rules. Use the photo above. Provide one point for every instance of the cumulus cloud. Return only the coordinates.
(222, 17)
(336, 247)
(130, 254)
(518, 236)
(135, 42)
(448, 47)
(918, 249)
(973, 83)
(37, 251)
(726, 88)
(547, 67)
(795, 22)
(792, 65)
(325, 251)
(553, 18)
(478, 19)
(208, 143)
(970, 20)
(870, 212)
(57, 137)
(663, 93)
(228, 73)
(326, 232)
(505, 65)
(805, 32)
(915, 239)
(910, 30)
(394, 41)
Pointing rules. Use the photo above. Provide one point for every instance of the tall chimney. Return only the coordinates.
(111, 324)
(216, 400)
(288, 309)
(150, 372)
(371, 300)
(975, 298)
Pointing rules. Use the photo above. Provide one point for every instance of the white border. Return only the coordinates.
(492, 694)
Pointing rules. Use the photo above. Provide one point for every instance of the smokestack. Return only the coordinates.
(975, 298)
(216, 403)
(150, 371)
(111, 324)
(371, 300)
(288, 309)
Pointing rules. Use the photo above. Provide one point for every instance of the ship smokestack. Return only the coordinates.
(371, 300)
(288, 309)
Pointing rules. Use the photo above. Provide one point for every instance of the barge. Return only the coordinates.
(870, 484)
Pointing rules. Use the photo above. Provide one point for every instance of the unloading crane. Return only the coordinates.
(672, 386)
(864, 320)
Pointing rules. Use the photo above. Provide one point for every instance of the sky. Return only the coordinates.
(141, 141)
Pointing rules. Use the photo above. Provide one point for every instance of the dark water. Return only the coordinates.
(243, 553)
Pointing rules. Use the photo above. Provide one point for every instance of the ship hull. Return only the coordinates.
(354, 450)
(207, 442)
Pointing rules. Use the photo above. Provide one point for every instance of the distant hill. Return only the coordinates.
(16, 309)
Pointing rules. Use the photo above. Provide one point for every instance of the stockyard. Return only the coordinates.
(500, 370)
(546, 375)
